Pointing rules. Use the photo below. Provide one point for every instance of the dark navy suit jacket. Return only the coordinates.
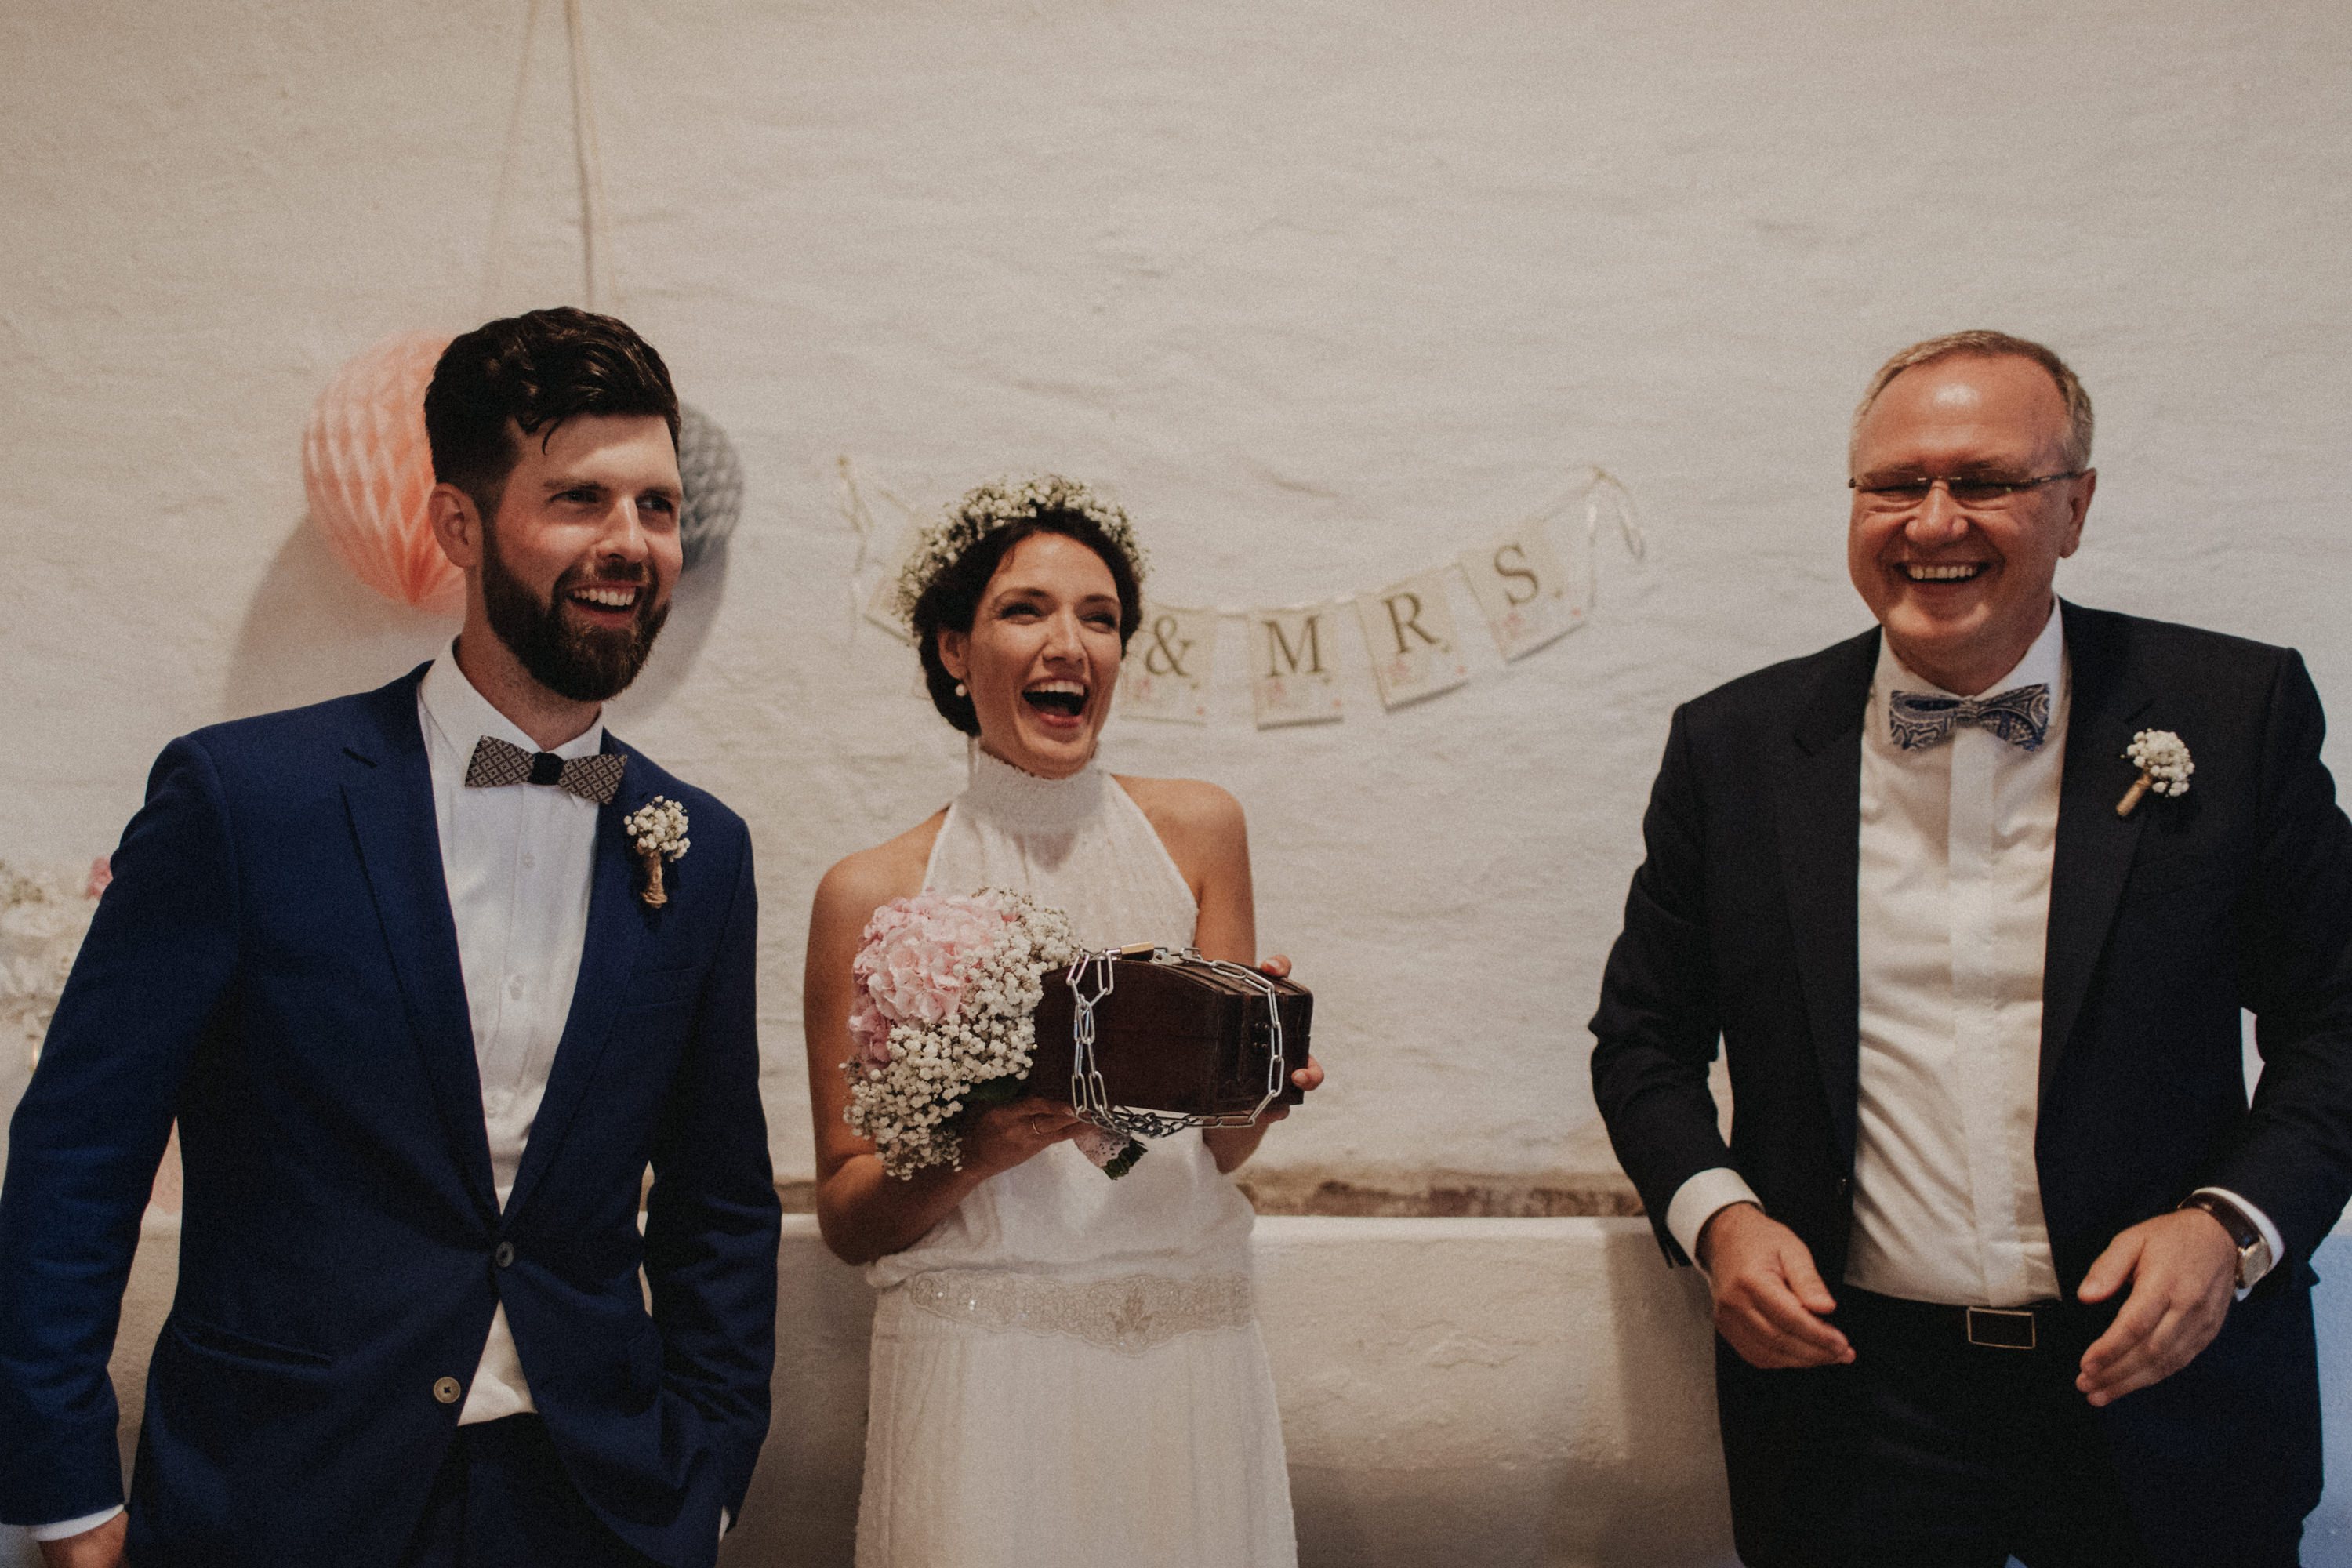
(1742, 923)
(275, 965)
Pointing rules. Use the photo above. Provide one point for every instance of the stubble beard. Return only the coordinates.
(581, 663)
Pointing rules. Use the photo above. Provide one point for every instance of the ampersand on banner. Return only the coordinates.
(1166, 675)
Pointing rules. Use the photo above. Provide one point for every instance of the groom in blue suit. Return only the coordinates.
(428, 990)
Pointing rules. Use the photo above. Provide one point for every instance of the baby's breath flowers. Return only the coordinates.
(997, 504)
(2163, 767)
(943, 1018)
(657, 829)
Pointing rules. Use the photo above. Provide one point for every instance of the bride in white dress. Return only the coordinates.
(1067, 1370)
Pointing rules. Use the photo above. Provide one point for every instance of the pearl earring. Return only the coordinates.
(960, 690)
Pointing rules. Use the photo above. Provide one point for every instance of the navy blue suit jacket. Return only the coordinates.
(275, 965)
(1742, 924)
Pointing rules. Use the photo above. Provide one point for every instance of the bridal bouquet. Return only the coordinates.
(942, 1021)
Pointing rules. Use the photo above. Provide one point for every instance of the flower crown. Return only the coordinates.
(1000, 504)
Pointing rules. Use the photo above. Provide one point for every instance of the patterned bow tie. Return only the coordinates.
(2020, 716)
(497, 764)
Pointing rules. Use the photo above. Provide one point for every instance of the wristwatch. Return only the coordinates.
(2254, 1259)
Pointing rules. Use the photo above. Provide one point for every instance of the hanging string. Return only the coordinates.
(595, 231)
(599, 284)
(494, 268)
(1608, 499)
(862, 597)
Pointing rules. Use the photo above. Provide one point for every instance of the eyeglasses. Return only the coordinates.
(1964, 492)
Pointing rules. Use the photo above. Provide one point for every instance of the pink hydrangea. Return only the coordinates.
(869, 1031)
(913, 963)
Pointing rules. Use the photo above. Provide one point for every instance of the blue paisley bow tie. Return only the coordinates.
(2020, 716)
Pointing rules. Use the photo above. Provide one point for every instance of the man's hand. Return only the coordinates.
(1769, 1298)
(2183, 1268)
(98, 1548)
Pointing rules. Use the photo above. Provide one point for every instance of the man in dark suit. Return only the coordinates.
(2002, 1260)
(428, 978)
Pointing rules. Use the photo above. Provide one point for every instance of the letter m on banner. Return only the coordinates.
(1292, 680)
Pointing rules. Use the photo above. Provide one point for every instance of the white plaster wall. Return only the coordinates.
(1322, 291)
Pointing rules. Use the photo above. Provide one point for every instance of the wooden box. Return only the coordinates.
(1174, 1036)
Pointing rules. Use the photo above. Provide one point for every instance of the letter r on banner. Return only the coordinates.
(1291, 681)
(1409, 631)
(1166, 673)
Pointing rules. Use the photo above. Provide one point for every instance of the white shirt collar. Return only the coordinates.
(464, 715)
(2044, 662)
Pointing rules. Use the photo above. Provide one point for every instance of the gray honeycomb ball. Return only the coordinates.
(713, 478)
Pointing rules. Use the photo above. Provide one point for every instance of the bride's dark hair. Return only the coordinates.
(952, 602)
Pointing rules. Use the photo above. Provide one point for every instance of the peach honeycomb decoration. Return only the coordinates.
(368, 470)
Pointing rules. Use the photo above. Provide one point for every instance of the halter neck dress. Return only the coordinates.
(1067, 1370)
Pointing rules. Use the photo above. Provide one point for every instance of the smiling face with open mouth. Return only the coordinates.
(1041, 658)
(1963, 590)
(577, 569)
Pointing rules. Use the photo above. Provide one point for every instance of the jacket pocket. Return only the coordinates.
(660, 987)
(2172, 873)
(211, 1339)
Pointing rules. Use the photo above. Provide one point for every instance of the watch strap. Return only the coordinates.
(2253, 1251)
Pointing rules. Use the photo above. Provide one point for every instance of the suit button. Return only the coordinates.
(447, 1390)
(1845, 1186)
(504, 1255)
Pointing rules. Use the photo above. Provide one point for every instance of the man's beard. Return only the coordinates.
(581, 663)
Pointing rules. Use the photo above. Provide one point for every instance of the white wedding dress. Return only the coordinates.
(1066, 1370)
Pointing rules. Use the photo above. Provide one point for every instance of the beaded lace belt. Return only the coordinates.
(1131, 1313)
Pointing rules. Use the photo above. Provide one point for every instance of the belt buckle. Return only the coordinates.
(2000, 1328)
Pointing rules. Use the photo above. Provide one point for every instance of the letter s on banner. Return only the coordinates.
(1291, 678)
(1408, 632)
(1166, 673)
(1523, 590)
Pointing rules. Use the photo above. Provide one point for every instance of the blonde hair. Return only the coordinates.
(1992, 344)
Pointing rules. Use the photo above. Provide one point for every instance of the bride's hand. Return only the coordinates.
(1010, 1134)
(1310, 1077)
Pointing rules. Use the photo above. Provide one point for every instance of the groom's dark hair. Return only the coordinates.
(536, 370)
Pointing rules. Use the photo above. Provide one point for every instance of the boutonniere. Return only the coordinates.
(2163, 767)
(657, 829)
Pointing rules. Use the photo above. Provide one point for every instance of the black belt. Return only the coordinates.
(2030, 1327)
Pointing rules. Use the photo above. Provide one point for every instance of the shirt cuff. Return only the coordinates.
(726, 1523)
(1700, 1200)
(2262, 1223)
(66, 1527)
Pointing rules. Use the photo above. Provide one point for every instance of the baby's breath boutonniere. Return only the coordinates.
(2163, 767)
(657, 829)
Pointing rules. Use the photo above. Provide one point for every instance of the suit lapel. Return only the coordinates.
(1819, 806)
(2094, 845)
(617, 924)
(388, 793)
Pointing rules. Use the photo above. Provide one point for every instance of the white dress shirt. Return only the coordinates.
(1957, 842)
(518, 862)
